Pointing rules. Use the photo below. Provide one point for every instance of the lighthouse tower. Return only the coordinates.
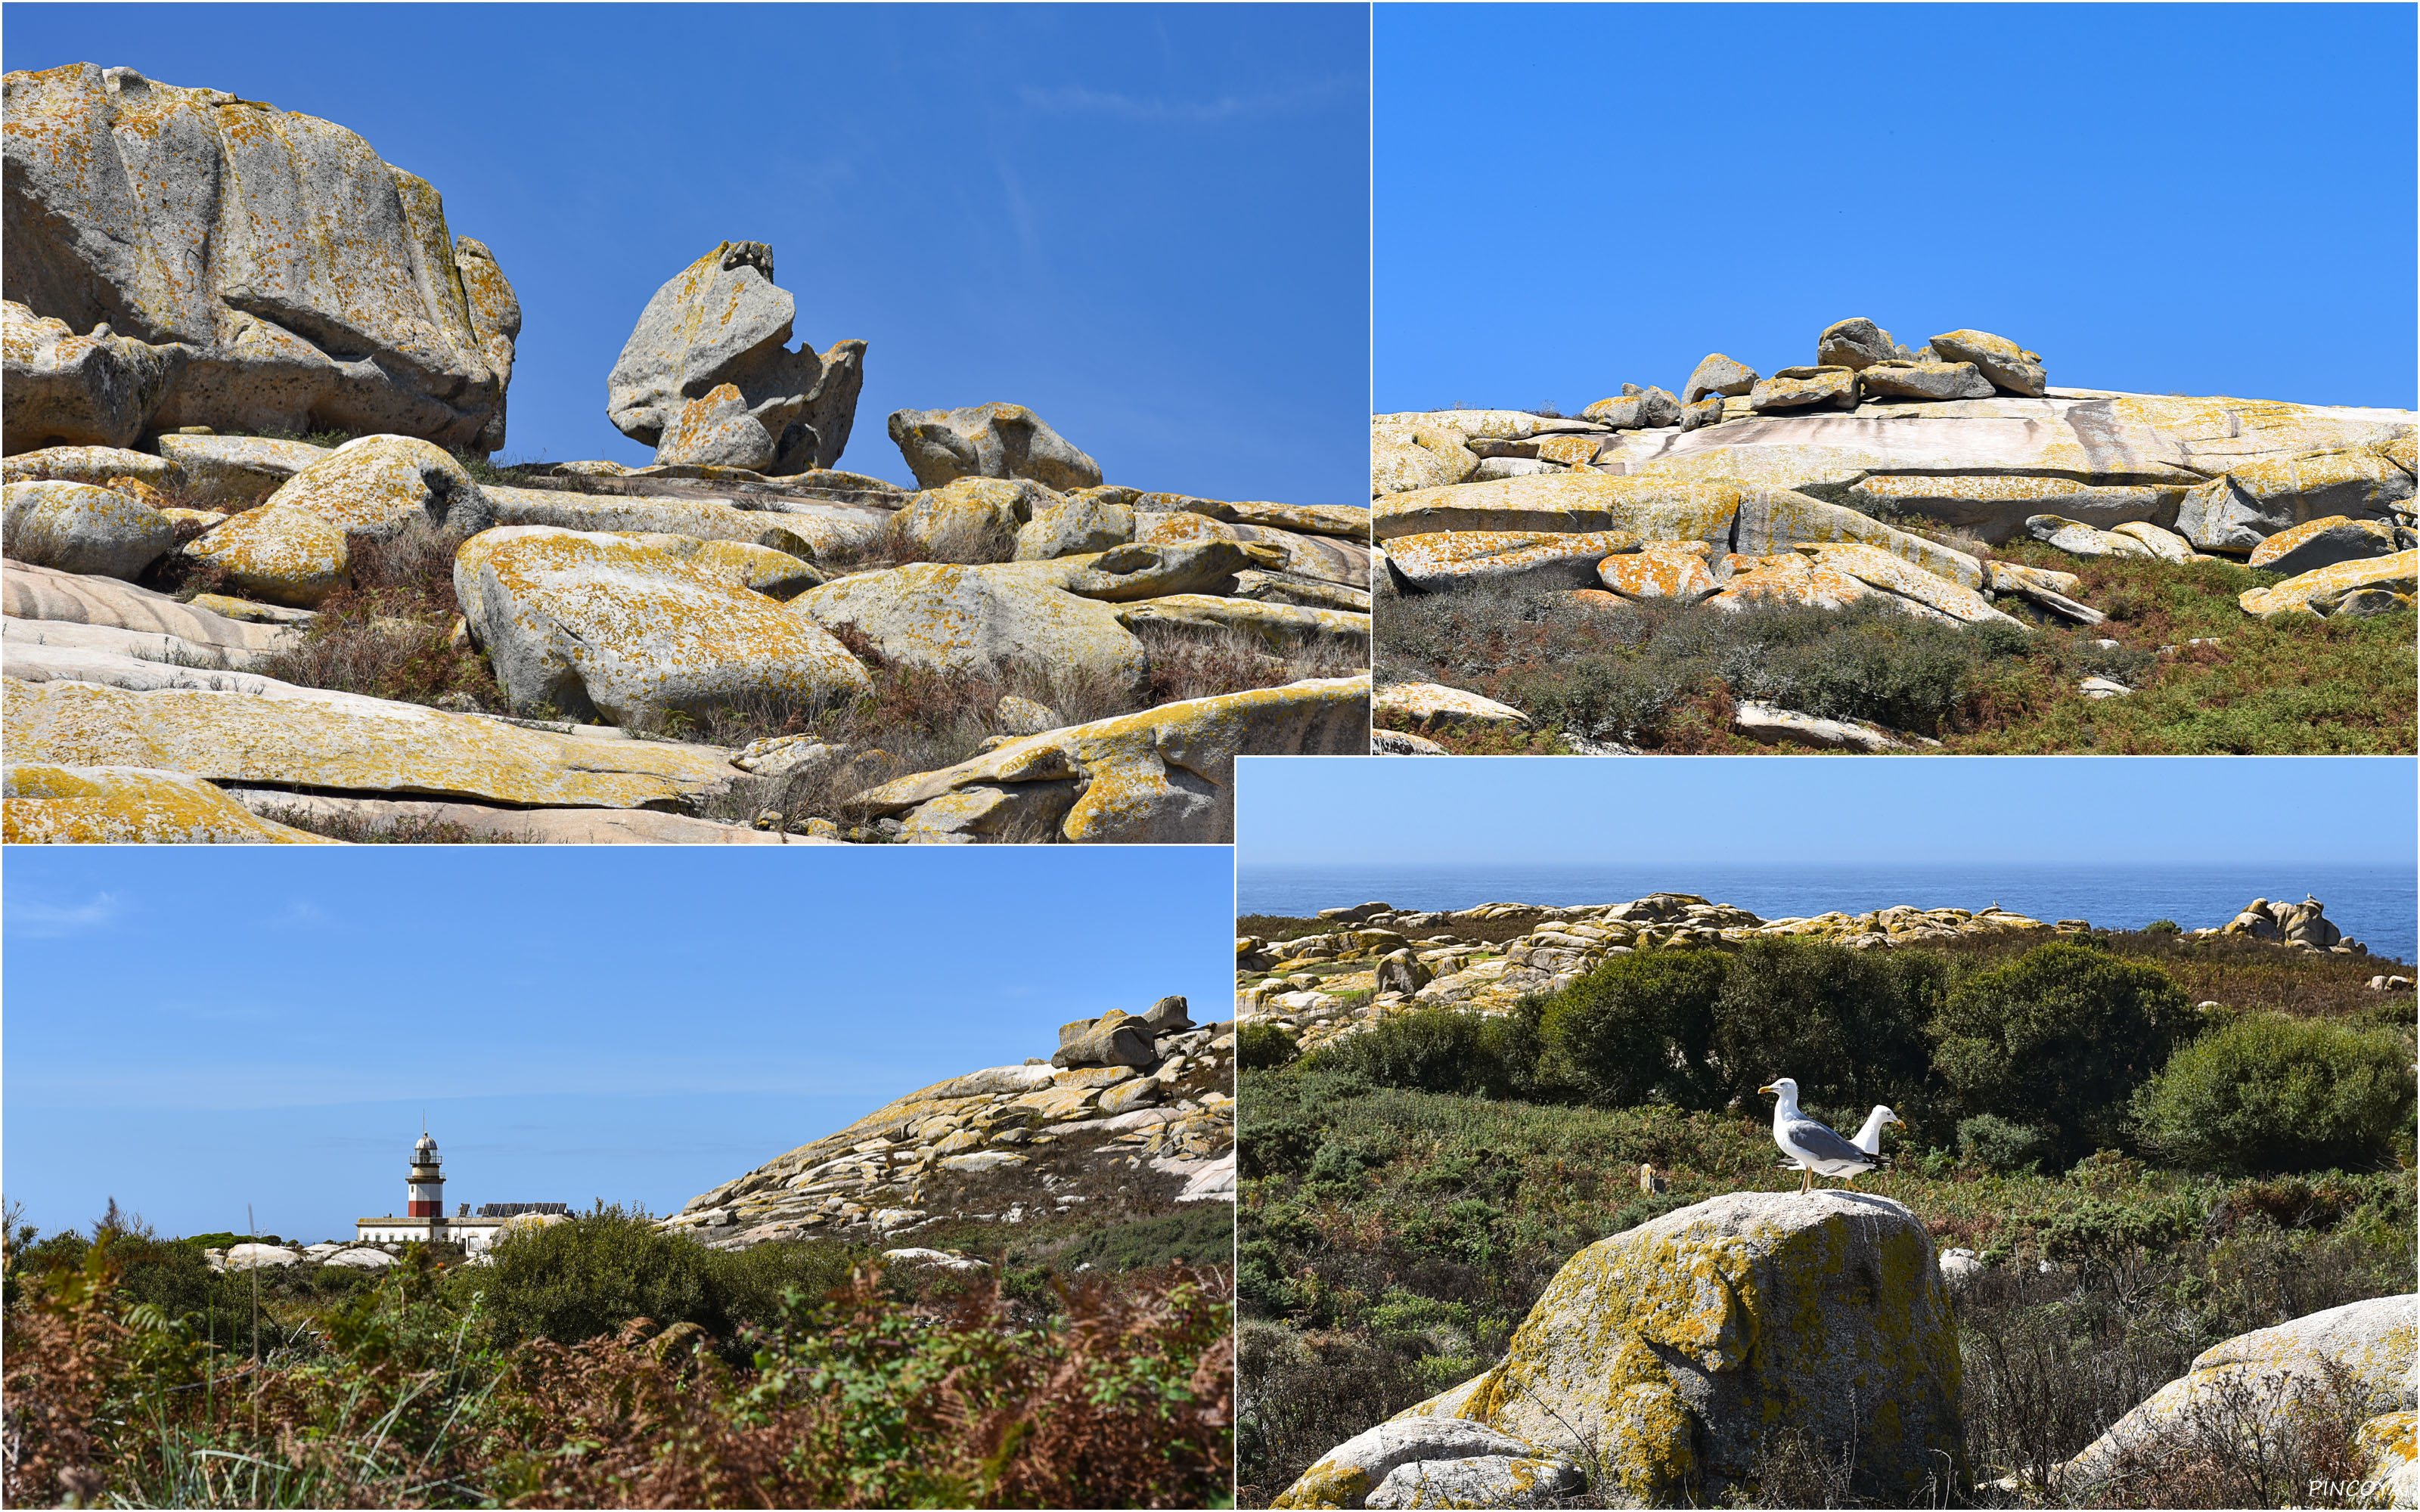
(424, 1188)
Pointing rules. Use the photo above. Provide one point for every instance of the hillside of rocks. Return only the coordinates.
(1881, 472)
(1371, 960)
(1131, 1115)
(218, 628)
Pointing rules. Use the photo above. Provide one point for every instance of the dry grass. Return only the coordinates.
(390, 633)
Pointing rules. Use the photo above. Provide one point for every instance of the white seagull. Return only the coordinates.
(1816, 1149)
(1869, 1139)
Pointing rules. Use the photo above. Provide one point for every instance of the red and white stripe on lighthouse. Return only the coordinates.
(425, 1187)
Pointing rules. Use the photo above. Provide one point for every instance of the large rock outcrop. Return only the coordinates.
(1667, 1356)
(722, 321)
(216, 261)
(989, 440)
(2362, 1349)
(1119, 1137)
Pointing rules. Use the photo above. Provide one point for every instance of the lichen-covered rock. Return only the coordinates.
(1124, 574)
(722, 320)
(2363, 1347)
(47, 805)
(1655, 509)
(138, 476)
(1856, 342)
(1348, 1473)
(989, 440)
(1481, 1480)
(1665, 569)
(77, 527)
(378, 485)
(2078, 539)
(1077, 523)
(1785, 579)
(1164, 776)
(1326, 558)
(31, 592)
(298, 280)
(2238, 510)
(1434, 700)
(236, 471)
(1447, 559)
(2167, 546)
(1667, 1354)
(2008, 365)
(739, 563)
(805, 536)
(169, 650)
(2322, 589)
(715, 430)
(311, 739)
(1924, 380)
(1777, 519)
(1995, 507)
(2323, 543)
(1806, 388)
(1280, 628)
(1115, 1039)
(1719, 376)
(1003, 617)
(593, 624)
(972, 518)
(288, 557)
(1406, 457)
(59, 387)
(1880, 569)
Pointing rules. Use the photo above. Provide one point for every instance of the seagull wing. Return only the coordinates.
(1819, 1143)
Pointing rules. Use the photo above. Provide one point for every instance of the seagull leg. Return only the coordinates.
(1806, 1180)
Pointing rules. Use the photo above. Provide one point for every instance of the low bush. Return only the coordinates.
(1264, 1047)
(2269, 1093)
(1440, 1050)
(574, 1281)
(2058, 1040)
(1848, 1026)
(1639, 1027)
(1997, 1145)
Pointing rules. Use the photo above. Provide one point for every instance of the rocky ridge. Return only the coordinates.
(1801, 488)
(613, 605)
(1375, 960)
(1133, 1112)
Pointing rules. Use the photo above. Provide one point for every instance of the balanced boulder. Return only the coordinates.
(2008, 365)
(1855, 343)
(989, 440)
(722, 320)
(1901, 380)
(257, 270)
(1806, 388)
(76, 527)
(1719, 376)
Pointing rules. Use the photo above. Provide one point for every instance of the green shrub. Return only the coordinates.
(1265, 1048)
(2271, 1093)
(2059, 1040)
(1203, 1235)
(572, 1282)
(1638, 1026)
(1437, 1050)
(1996, 1144)
(1847, 1025)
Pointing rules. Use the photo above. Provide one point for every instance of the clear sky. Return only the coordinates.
(1150, 223)
(2207, 199)
(2075, 811)
(189, 1029)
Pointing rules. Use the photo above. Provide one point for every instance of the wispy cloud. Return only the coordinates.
(1075, 100)
(37, 919)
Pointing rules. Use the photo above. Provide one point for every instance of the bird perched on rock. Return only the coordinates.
(1869, 1139)
(1816, 1149)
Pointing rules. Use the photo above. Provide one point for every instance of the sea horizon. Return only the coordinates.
(2378, 905)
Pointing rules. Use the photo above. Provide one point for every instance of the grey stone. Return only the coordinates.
(1658, 409)
(1169, 1016)
(2008, 365)
(1855, 343)
(1400, 971)
(305, 282)
(57, 388)
(1806, 388)
(1023, 716)
(1115, 1039)
(1706, 412)
(1893, 378)
(989, 440)
(716, 431)
(1357, 1467)
(1481, 1480)
(1079, 523)
(237, 471)
(722, 320)
(1719, 375)
(77, 527)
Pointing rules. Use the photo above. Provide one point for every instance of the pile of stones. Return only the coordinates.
(1134, 1111)
(740, 566)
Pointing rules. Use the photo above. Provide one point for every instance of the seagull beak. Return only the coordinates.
(1764, 1088)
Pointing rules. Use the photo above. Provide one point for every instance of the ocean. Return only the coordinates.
(2379, 906)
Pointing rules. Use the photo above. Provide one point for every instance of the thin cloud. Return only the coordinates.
(41, 921)
(1075, 100)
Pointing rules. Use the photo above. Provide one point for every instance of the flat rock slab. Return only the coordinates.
(52, 805)
(549, 826)
(351, 744)
(1434, 700)
(1774, 725)
(31, 592)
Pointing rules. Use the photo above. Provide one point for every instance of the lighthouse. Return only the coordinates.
(424, 1188)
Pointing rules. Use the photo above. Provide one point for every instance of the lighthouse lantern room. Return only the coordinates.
(424, 1188)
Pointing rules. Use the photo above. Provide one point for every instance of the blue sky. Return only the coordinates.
(2075, 811)
(191, 1029)
(1149, 223)
(2203, 199)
